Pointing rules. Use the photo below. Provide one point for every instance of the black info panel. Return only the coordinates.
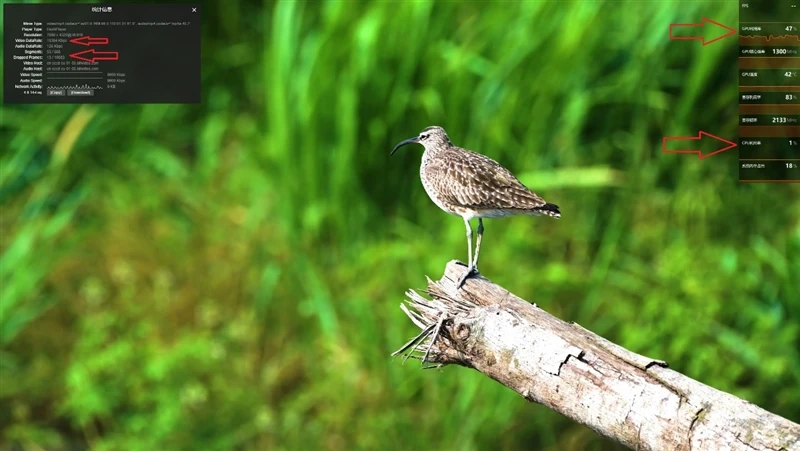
(100, 53)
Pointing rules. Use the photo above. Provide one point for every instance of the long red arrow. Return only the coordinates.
(701, 135)
(95, 56)
(729, 31)
(88, 40)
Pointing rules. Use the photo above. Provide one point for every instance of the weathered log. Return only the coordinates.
(622, 395)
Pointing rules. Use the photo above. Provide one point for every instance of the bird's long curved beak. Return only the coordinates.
(403, 143)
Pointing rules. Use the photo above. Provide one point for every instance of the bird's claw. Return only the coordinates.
(471, 271)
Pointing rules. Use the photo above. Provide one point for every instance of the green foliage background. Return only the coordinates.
(228, 275)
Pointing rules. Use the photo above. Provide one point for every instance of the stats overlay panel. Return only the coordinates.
(100, 53)
(769, 91)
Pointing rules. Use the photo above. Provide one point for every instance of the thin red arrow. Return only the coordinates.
(88, 40)
(730, 145)
(729, 31)
(95, 56)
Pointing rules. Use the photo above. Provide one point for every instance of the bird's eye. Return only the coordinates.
(423, 137)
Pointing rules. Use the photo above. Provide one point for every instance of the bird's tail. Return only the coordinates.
(549, 210)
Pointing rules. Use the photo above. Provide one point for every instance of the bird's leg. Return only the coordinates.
(470, 269)
(478, 245)
(469, 242)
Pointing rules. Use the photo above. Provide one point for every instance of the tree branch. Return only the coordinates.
(628, 397)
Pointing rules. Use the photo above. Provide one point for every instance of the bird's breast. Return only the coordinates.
(433, 189)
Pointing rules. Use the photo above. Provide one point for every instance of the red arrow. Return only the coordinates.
(730, 145)
(87, 40)
(95, 56)
(729, 31)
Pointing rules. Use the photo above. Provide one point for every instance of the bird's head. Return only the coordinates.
(431, 138)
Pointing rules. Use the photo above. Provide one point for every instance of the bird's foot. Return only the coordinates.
(471, 271)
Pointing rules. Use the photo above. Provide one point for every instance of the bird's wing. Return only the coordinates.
(481, 183)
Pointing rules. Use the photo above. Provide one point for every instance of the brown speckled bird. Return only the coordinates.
(470, 185)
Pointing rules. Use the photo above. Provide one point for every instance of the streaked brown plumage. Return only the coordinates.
(471, 185)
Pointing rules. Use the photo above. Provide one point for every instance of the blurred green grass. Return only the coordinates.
(227, 276)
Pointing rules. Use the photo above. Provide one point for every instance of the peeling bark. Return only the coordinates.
(628, 397)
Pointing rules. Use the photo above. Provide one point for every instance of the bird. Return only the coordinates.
(473, 186)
